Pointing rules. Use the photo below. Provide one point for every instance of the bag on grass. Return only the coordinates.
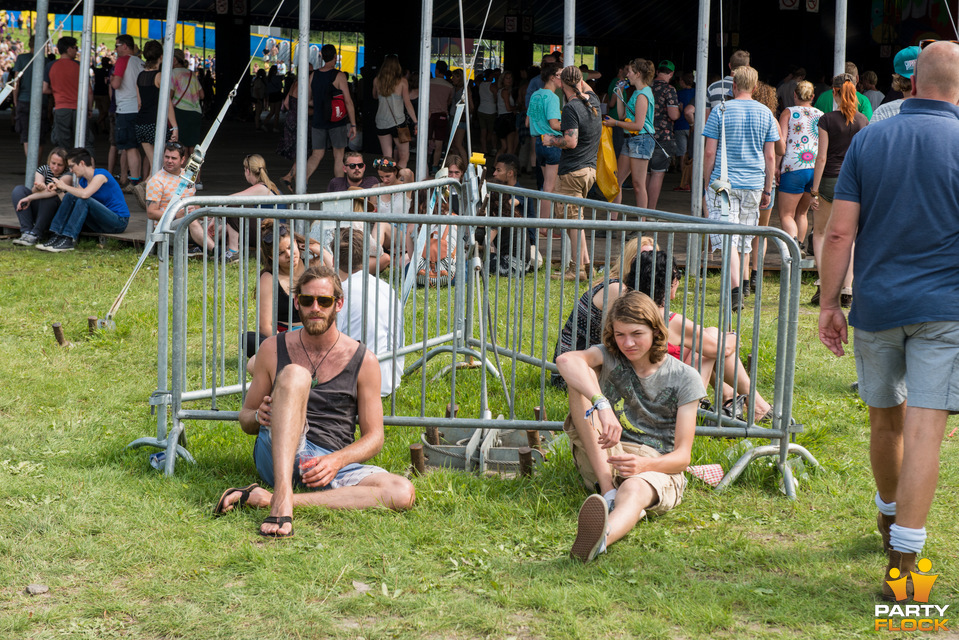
(606, 166)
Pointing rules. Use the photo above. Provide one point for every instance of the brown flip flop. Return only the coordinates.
(218, 510)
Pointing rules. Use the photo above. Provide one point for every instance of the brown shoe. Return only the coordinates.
(898, 574)
(884, 522)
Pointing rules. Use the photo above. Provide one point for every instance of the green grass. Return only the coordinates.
(127, 552)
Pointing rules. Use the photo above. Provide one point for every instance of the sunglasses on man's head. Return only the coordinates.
(356, 165)
(306, 302)
(925, 43)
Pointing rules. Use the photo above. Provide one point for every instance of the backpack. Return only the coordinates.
(437, 265)
(258, 89)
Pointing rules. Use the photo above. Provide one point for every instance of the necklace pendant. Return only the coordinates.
(314, 383)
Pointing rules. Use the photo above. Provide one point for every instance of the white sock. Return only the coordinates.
(885, 508)
(907, 540)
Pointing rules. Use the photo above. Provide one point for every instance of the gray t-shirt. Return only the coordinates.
(576, 115)
(647, 407)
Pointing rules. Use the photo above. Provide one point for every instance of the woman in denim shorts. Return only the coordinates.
(637, 125)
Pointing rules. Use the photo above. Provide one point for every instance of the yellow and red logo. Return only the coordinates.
(915, 613)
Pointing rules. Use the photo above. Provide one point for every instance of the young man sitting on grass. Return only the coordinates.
(631, 423)
(95, 204)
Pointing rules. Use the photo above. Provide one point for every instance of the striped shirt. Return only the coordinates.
(749, 126)
(716, 91)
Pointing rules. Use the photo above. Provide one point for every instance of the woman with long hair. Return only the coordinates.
(836, 130)
(186, 95)
(254, 171)
(36, 207)
(392, 91)
(799, 127)
(637, 125)
(506, 108)
(148, 95)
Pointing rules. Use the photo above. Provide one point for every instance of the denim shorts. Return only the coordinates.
(546, 155)
(126, 137)
(639, 146)
(348, 476)
(797, 181)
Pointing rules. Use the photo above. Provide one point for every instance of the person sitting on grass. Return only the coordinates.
(310, 389)
(95, 204)
(631, 423)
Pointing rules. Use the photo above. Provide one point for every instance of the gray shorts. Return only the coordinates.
(922, 359)
(348, 476)
(338, 137)
(660, 160)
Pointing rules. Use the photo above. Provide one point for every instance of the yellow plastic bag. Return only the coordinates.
(606, 166)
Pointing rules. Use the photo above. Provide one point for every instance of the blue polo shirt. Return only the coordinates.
(906, 182)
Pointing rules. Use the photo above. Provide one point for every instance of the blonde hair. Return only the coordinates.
(389, 75)
(805, 91)
(625, 258)
(745, 78)
(572, 77)
(257, 166)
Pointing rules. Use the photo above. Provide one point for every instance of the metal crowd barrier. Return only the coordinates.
(503, 326)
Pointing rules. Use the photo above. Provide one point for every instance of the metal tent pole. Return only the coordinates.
(163, 105)
(423, 115)
(36, 91)
(839, 46)
(302, 95)
(699, 144)
(83, 88)
(569, 33)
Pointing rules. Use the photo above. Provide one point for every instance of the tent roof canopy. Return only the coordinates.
(646, 23)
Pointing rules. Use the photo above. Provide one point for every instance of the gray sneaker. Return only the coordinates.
(26, 240)
(591, 529)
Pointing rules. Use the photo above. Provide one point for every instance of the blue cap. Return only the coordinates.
(905, 61)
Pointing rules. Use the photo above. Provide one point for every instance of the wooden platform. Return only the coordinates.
(222, 174)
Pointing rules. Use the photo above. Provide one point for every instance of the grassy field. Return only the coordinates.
(129, 553)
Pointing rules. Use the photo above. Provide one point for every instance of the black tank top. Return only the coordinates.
(149, 97)
(331, 409)
(322, 85)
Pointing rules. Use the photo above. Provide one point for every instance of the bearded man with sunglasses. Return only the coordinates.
(354, 175)
(310, 389)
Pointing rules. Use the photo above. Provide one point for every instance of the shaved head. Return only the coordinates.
(937, 73)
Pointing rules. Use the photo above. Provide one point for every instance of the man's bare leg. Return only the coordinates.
(633, 497)
(885, 448)
(922, 437)
(338, 170)
(313, 162)
(287, 419)
(380, 490)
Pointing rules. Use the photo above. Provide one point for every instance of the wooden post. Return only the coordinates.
(452, 410)
(417, 458)
(525, 462)
(539, 413)
(58, 334)
(532, 437)
(92, 324)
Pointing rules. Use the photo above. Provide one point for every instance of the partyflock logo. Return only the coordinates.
(915, 614)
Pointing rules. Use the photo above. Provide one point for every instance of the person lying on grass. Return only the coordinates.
(310, 389)
(631, 423)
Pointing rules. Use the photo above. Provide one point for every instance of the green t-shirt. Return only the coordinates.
(825, 103)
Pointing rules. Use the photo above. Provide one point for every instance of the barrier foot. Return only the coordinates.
(173, 449)
(763, 451)
(460, 351)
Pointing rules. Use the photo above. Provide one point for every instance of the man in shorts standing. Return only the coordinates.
(906, 295)
(582, 128)
(751, 132)
(124, 83)
(310, 389)
(326, 82)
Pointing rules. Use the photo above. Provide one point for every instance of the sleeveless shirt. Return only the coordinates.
(331, 409)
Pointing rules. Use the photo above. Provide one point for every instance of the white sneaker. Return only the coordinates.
(535, 259)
